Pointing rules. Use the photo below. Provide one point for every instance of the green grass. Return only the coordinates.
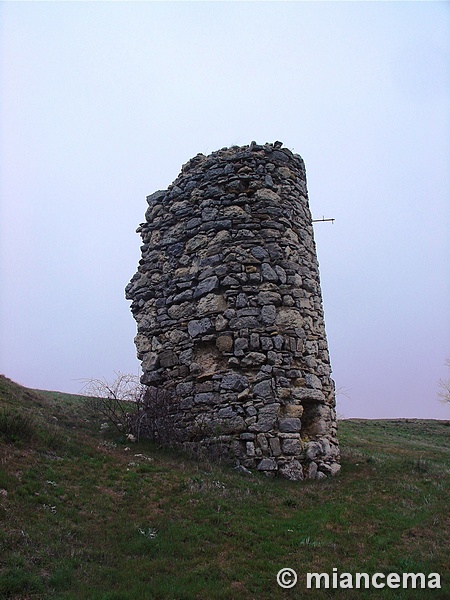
(86, 517)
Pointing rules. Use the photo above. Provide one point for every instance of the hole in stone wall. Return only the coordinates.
(313, 421)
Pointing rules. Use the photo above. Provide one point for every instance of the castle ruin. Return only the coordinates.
(229, 313)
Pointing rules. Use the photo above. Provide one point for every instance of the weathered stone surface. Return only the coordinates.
(228, 421)
(181, 311)
(269, 298)
(265, 194)
(168, 358)
(234, 381)
(241, 300)
(267, 416)
(204, 398)
(250, 449)
(306, 395)
(221, 323)
(291, 446)
(290, 425)
(312, 471)
(330, 469)
(263, 388)
(281, 273)
(267, 464)
(275, 446)
(260, 253)
(253, 359)
(314, 450)
(195, 243)
(292, 470)
(268, 314)
(212, 303)
(196, 327)
(262, 443)
(205, 286)
(185, 388)
(294, 410)
(313, 381)
(229, 314)
(289, 318)
(224, 343)
(244, 323)
(268, 274)
(240, 345)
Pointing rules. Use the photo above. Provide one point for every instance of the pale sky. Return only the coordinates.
(102, 102)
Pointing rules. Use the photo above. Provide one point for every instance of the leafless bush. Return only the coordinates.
(154, 419)
(151, 413)
(115, 401)
(444, 384)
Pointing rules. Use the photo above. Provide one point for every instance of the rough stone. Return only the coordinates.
(212, 303)
(267, 416)
(262, 442)
(263, 388)
(267, 464)
(312, 471)
(291, 446)
(289, 318)
(269, 298)
(268, 273)
(168, 358)
(221, 323)
(275, 446)
(205, 286)
(290, 425)
(224, 343)
(313, 450)
(292, 470)
(234, 381)
(253, 359)
(294, 410)
(196, 327)
(240, 345)
(181, 311)
(313, 381)
(268, 314)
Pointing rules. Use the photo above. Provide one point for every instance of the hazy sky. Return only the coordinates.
(101, 104)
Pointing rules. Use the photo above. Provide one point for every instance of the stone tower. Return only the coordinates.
(229, 313)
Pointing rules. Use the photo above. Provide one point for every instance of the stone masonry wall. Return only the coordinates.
(229, 312)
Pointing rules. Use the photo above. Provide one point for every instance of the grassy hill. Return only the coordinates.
(85, 516)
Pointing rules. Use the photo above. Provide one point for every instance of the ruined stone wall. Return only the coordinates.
(229, 312)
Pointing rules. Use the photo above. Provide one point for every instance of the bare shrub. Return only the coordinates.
(150, 412)
(154, 418)
(444, 384)
(117, 401)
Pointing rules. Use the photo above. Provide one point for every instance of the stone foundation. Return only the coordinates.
(229, 313)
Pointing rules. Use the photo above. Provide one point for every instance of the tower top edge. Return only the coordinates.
(269, 150)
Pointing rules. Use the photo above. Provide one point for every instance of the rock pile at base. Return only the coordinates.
(229, 313)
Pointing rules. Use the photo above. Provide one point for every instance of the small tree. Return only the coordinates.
(444, 384)
(115, 401)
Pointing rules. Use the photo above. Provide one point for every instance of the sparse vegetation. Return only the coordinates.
(15, 426)
(99, 519)
(115, 401)
(444, 387)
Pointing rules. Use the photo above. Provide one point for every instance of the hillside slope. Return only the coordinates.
(85, 516)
